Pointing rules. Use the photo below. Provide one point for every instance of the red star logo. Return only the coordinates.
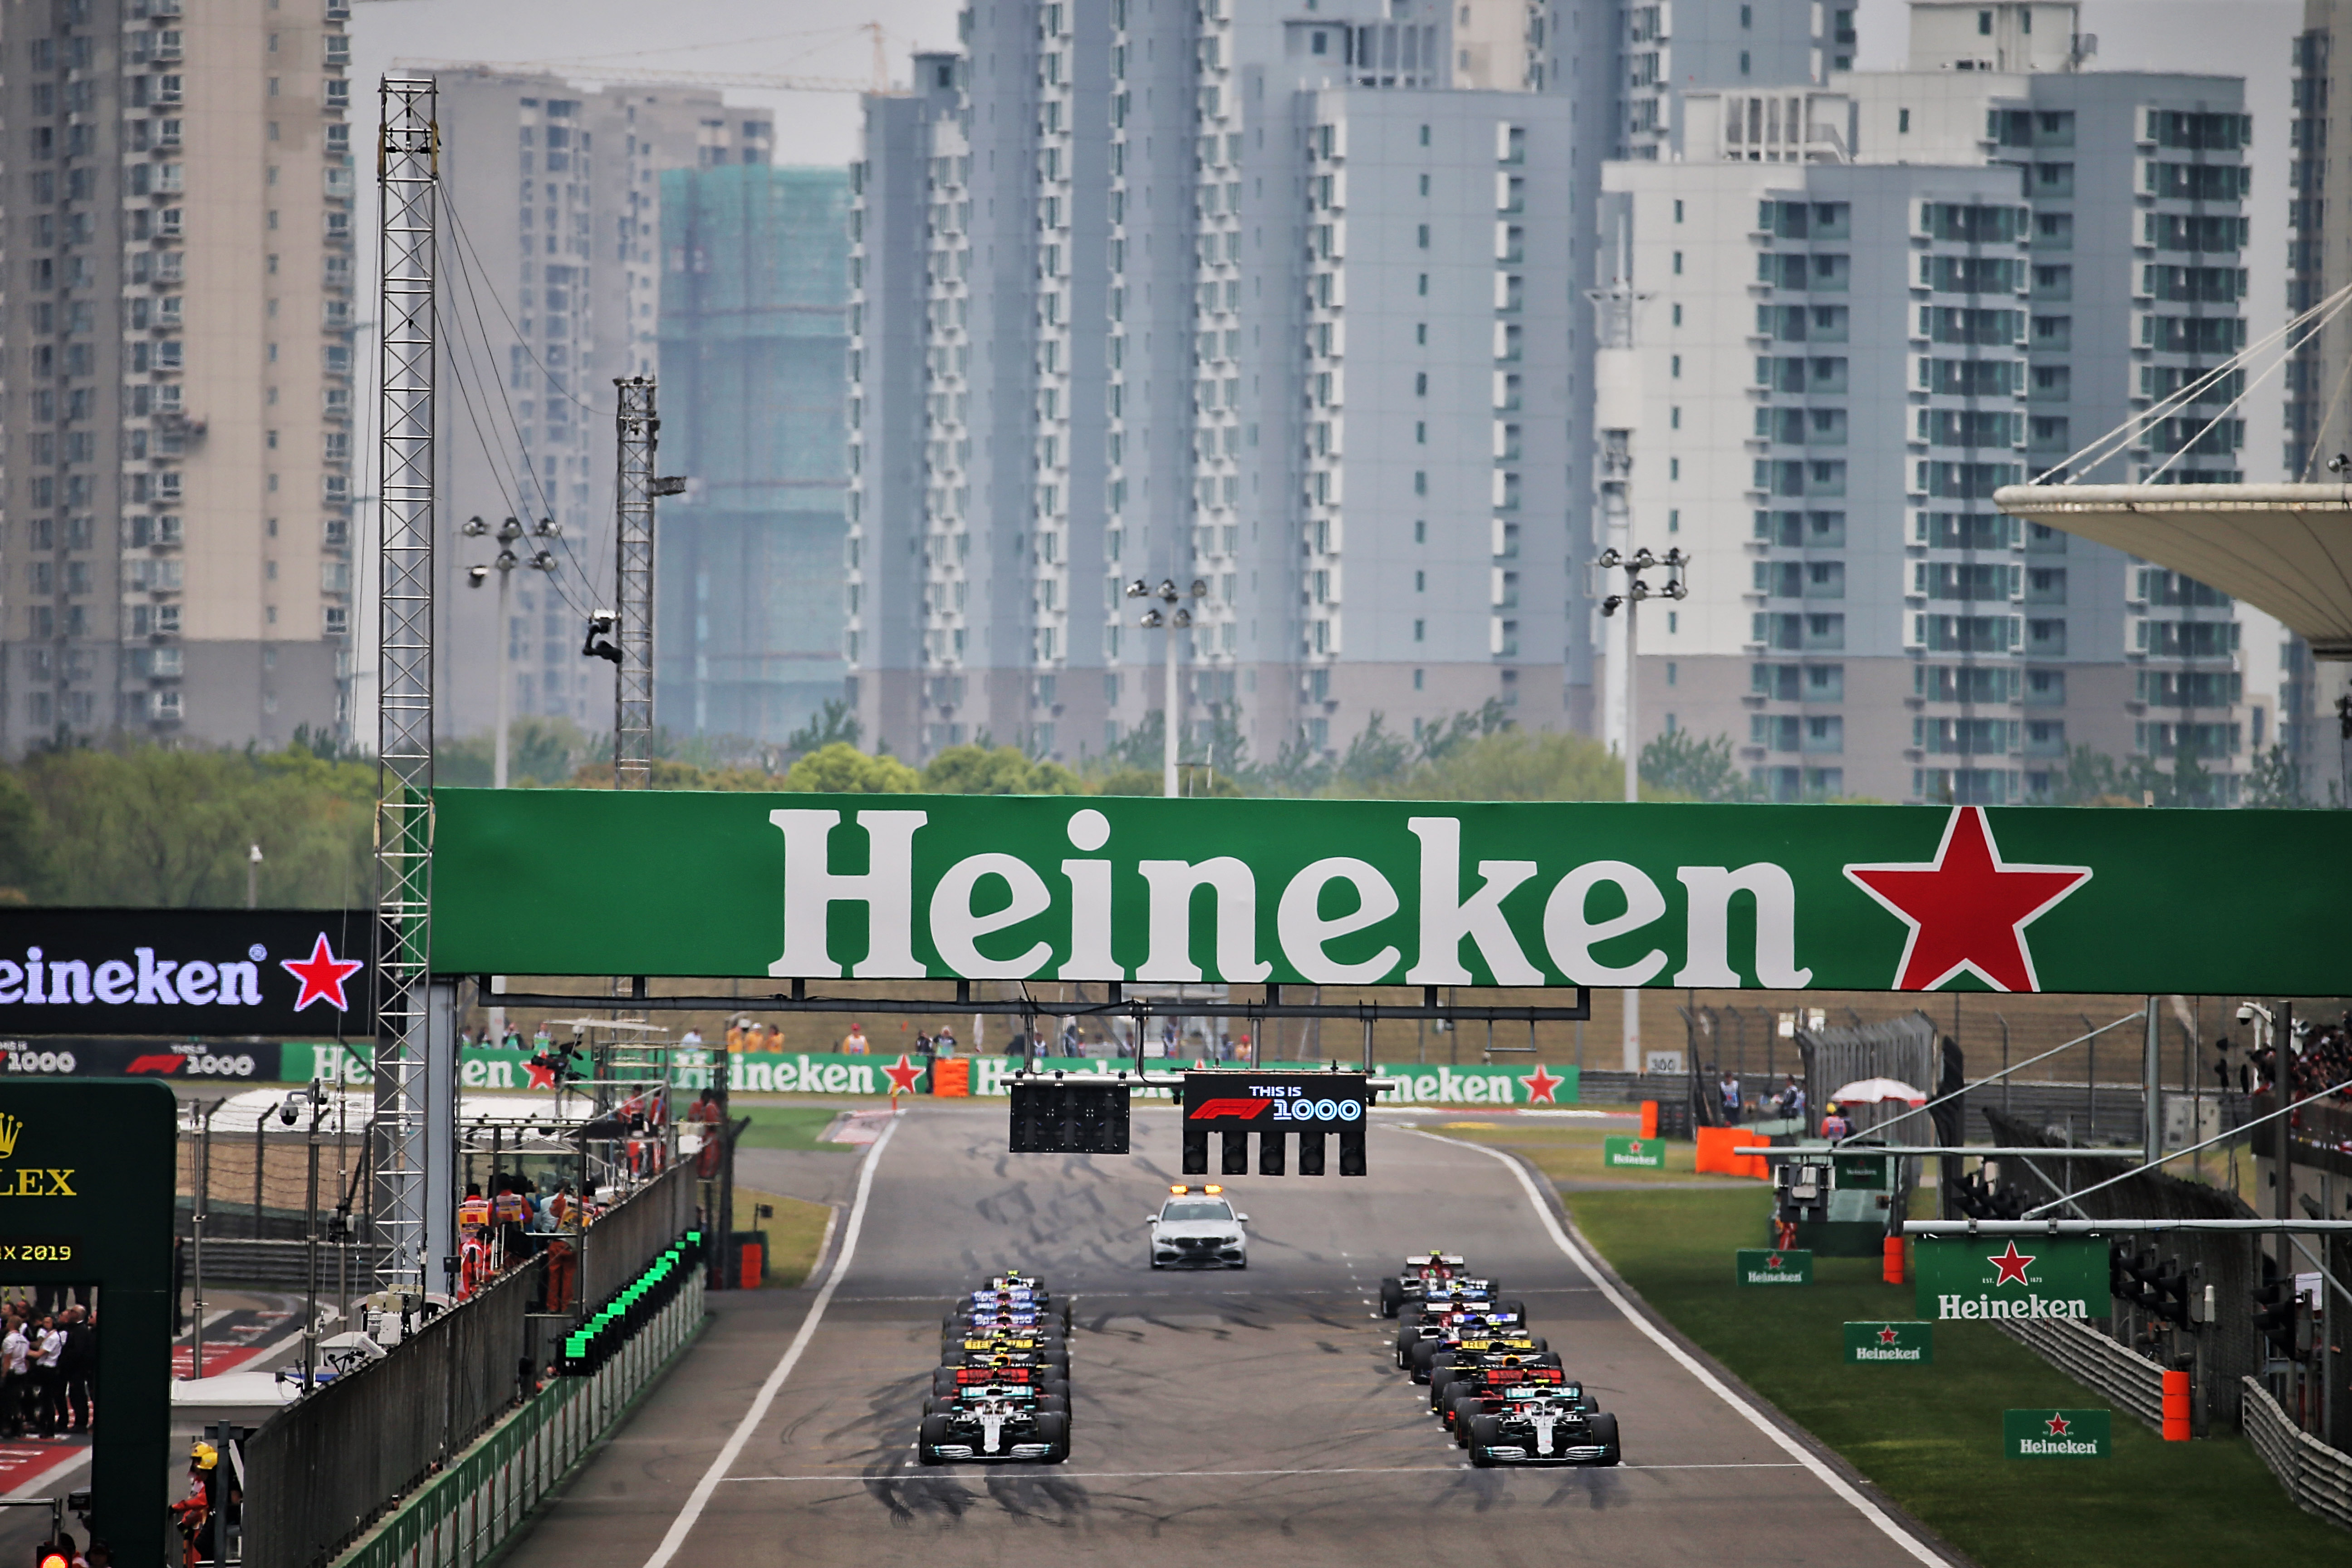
(2058, 1426)
(1540, 1084)
(1634, 1148)
(1772, 1261)
(1887, 1336)
(2012, 1264)
(542, 1075)
(1967, 910)
(902, 1077)
(323, 976)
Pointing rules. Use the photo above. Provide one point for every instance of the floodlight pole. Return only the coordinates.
(1634, 562)
(408, 173)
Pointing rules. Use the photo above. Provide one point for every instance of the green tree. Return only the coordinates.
(2276, 781)
(975, 769)
(23, 843)
(1679, 763)
(1517, 766)
(841, 768)
(837, 720)
(1376, 757)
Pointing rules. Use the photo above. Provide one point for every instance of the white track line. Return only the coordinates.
(699, 1498)
(1053, 1475)
(1713, 1384)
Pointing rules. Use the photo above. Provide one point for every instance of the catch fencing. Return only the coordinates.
(2317, 1476)
(2093, 1360)
(322, 1470)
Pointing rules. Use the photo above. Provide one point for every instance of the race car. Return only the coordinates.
(1464, 1382)
(1044, 1376)
(995, 1421)
(1431, 1327)
(1017, 1306)
(1005, 1350)
(1464, 1293)
(1544, 1426)
(1427, 1356)
(1197, 1228)
(1421, 1270)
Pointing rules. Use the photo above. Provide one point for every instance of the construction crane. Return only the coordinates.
(607, 70)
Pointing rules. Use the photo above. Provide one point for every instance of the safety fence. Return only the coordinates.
(321, 1470)
(616, 1249)
(2317, 1476)
(465, 1515)
(2093, 1360)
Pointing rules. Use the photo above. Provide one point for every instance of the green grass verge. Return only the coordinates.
(1930, 1436)
(789, 1127)
(795, 1232)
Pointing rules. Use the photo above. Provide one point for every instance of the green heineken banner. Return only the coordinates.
(1776, 1266)
(2055, 1433)
(2015, 1277)
(1876, 1344)
(561, 882)
(1634, 1153)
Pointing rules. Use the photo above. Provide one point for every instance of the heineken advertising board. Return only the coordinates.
(185, 973)
(1878, 1344)
(1634, 1153)
(1384, 892)
(2014, 1277)
(1773, 1266)
(2055, 1433)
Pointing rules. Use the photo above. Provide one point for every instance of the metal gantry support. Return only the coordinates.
(634, 488)
(408, 170)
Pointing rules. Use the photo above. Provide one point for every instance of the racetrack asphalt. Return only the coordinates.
(1212, 1413)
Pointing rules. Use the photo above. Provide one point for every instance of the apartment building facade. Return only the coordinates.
(2071, 246)
(552, 275)
(1209, 301)
(177, 372)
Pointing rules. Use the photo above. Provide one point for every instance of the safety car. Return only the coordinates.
(1195, 1227)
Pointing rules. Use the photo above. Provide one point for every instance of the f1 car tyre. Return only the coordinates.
(1392, 1297)
(1053, 1403)
(1514, 1306)
(1466, 1410)
(1541, 1344)
(1604, 1432)
(1054, 1428)
(1484, 1431)
(943, 1381)
(934, 1432)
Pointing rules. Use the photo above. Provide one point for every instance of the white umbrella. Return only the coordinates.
(1876, 1090)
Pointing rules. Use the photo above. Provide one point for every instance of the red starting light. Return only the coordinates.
(51, 1557)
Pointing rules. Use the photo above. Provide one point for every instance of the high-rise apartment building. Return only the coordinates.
(553, 276)
(2017, 261)
(754, 319)
(2318, 404)
(176, 369)
(1286, 305)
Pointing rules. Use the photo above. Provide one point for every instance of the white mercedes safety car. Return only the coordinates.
(1197, 1228)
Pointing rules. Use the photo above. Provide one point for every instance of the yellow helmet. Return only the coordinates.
(204, 1456)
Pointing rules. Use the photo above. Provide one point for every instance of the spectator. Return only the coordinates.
(854, 1044)
(49, 1380)
(17, 1366)
(943, 1044)
(691, 1039)
(1728, 1090)
(1792, 1099)
(79, 1364)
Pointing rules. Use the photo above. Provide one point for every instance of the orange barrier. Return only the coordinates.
(2175, 1407)
(1649, 1118)
(1893, 1262)
(1715, 1153)
(751, 1264)
(953, 1076)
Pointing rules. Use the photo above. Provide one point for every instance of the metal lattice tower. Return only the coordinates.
(408, 170)
(634, 488)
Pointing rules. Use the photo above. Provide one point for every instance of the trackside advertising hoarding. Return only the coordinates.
(814, 1072)
(1385, 892)
(185, 973)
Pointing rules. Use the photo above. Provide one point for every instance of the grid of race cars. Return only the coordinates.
(1499, 1388)
(1001, 1390)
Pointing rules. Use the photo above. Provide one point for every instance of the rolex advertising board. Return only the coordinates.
(1376, 892)
(1962, 1276)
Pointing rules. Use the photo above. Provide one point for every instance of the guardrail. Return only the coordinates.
(2090, 1358)
(465, 1515)
(2317, 1476)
